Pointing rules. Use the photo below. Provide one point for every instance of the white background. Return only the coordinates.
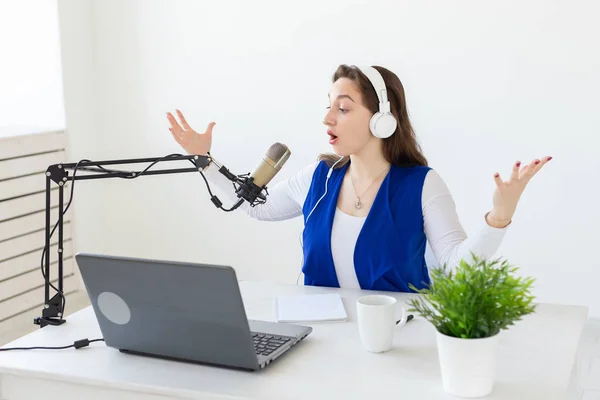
(31, 93)
(487, 83)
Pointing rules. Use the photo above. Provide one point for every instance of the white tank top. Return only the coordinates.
(344, 234)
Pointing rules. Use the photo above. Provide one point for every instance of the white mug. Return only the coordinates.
(377, 321)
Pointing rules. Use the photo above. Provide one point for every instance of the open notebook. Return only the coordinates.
(310, 308)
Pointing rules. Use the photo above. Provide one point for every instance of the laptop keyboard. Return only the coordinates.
(265, 344)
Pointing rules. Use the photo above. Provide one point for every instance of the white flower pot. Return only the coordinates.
(468, 366)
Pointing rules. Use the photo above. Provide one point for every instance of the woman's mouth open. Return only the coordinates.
(332, 138)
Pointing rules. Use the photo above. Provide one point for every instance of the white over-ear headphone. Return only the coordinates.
(382, 124)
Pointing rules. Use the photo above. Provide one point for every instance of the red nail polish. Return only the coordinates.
(537, 162)
(496, 175)
(549, 158)
(518, 163)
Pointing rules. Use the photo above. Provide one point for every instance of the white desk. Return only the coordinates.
(535, 361)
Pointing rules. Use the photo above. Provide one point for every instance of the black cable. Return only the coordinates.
(49, 321)
(77, 345)
(133, 176)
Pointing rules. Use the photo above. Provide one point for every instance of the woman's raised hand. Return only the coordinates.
(507, 193)
(191, 141)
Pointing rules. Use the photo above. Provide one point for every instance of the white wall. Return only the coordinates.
(487, 84)
(31, 96)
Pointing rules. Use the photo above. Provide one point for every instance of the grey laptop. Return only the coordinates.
(180, 311)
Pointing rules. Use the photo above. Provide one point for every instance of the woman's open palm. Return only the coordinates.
(507, 193)
(191, 141)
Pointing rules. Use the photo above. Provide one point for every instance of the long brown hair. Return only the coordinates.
(401, 149)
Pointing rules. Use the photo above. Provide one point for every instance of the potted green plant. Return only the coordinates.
(469, 306)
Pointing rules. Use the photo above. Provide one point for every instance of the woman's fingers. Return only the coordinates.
(184, 123)
(498, 180)
(534, 167)
(515, 171)
(539, 164)
(176, 128)
(529, 170)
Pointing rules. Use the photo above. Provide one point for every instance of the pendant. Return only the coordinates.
(357, 204)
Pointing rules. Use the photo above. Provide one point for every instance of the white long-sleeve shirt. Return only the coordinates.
(446, 238)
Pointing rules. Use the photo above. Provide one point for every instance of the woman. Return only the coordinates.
(371, 208)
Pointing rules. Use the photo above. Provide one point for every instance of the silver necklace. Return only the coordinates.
(357, 202)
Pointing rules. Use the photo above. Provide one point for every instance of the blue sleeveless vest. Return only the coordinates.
(390, 249)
